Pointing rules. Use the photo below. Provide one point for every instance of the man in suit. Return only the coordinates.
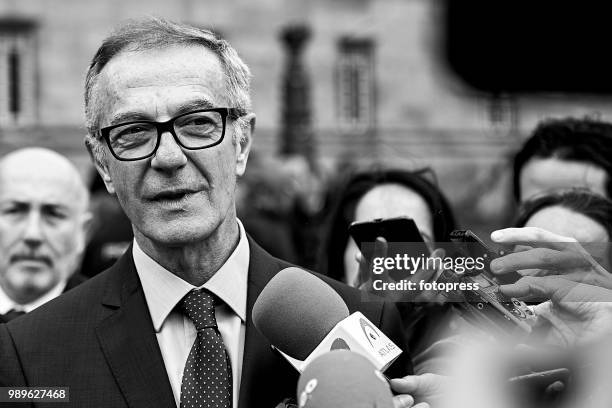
(169, 117)
(43, 221)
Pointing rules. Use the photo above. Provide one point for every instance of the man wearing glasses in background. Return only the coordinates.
(169, 118)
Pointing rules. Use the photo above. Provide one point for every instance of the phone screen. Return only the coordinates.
(401, 233)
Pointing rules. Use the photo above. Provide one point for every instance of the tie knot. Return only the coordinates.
(199, 307)
(12, 314)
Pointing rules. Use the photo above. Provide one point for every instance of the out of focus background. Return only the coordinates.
(337, 85)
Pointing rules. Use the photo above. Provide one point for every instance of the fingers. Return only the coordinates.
(424, 387)
(423, 384)
(589, 277)
(532, 236)
(557, 289)
(405, 385)
(380, 247)
(406, 401)
(403, 401)
(540, 258)
(543, 242)
(365, 268)
(438, 253)
(531, 287)
(538, 237)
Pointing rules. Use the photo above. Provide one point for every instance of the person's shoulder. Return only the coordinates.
(74, 281)
(73, 307)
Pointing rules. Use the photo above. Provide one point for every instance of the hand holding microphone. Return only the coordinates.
(341, 378)
(304, 317)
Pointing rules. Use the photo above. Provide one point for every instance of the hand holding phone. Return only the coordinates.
(487, 305)
(393, 230)
(389, 239)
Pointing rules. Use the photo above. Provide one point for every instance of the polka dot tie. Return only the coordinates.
(207, 378)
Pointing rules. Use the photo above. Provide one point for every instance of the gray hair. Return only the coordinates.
(157, 33)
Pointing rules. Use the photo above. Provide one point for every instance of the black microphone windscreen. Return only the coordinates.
(342, 378)
(296, 310)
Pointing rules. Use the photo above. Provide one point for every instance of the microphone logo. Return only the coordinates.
(339, 344)
(306, 393)
(369, 331)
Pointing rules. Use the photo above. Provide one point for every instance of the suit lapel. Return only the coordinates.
(266, 377)
(128, 340)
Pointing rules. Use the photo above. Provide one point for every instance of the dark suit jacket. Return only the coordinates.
(74, 281)
(98, 339)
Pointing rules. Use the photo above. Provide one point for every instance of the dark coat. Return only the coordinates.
(99, 340)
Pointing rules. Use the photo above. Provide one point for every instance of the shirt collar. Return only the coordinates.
(6, 303)
(164, 290)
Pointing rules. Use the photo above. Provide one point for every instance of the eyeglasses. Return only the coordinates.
(195, 130)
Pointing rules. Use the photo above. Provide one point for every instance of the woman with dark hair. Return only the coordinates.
(381, 193)
(562, 153)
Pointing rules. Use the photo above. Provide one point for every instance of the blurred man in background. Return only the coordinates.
(565, 153)
(43, 221)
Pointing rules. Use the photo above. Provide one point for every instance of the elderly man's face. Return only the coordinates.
(42, 226)
(177, 196)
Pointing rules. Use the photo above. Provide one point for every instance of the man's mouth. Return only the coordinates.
(173, 196)
(28, 258)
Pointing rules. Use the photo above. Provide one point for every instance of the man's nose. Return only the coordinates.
(169, 155)
(33, 234)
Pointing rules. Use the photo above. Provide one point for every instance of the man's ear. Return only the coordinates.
(86, 228)
(100, 165)
(243, 145)
(103, 172)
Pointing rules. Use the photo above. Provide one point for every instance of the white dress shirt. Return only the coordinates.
(6, 303)
(175, 332)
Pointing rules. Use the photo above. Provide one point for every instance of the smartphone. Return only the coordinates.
(542, 378)
(401, 234)
(393, 230)
(467, 243)
(550, 388)
(486, 305)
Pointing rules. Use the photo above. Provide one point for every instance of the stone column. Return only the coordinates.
(297, 136)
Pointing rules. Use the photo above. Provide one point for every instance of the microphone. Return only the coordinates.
(303, 317)
(342, 378)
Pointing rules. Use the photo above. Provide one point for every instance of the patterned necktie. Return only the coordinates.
(207, 378)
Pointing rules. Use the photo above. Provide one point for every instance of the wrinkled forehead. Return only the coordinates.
(159, 75)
